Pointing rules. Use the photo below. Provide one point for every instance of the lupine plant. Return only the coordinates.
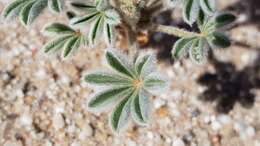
(133, 79)
(130, 85)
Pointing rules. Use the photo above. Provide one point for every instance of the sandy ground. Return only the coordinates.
(43, 98)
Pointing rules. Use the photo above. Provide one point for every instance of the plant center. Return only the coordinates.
(137, 83)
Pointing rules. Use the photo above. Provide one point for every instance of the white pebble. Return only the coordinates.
(19, 93)
(87, 131)
(178, 142)
(159, 103)
(150, 135)
(131, 143)
(257, 143)
(250, 131)
(25, 120)
(207, 119)
(75, 143)
(215, 125)
(58, 121)
(224, 119)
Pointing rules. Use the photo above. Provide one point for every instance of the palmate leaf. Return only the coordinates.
(68, 39)
(191, 11)
(173, 3)
(198, 51)
(140, 107)
(100, 16)
(29, 10)
(101, 78)
(85, 19)
(96, 30)
(181, 47)
(208, 6)
(219, 40)
(106, 97)
(58, 29)
(56, 44)
(118, 64)
(224, 19)
(210, 37)
(155, 83)
(72, 44)
(130, 84)
(13, 9)
(56, 5)
(145, 64)
(108, 33)
(121, 114)
(193, 8)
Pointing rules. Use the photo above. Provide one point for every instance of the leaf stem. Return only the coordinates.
(177, 31)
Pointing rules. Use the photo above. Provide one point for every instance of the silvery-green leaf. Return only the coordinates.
(25, 12)
(173, 3)
(104, 98)
(96, 30)
(191, 11)
(145, 64)
(118, 64)
(198, 51)
(201, 20)
(13, 9)
(155, 83)
(84, 19)
(83, 7)
(108, 33)
(208, 6)
(72, 43)
(180, 47)
(224, 19)
(35, 10)
(219, 40)
(58, 28)
(112, 17)
(84, 40)
(101, 4)
(56, 5)
(56, 44)
(140, 107)
(119, 118)
(101, 78)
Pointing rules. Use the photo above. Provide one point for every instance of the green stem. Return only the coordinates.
(176, 31)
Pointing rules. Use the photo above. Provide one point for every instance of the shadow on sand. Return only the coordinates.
(229, 86)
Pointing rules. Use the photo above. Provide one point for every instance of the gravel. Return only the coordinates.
(43, 98)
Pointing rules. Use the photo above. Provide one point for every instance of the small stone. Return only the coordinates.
(215, 125)
(216, 139)
(87, 131)
(19, 93)
(250, 131)
(257, 143)
(207, 119)
(75, 143)
(131, 143)
(195, 113)
(29, 100)
(162, 112)
(178, 142)
(150, 135)
(159, 103)
(58, 121)
(11, 143)
(25, 120)
(224, 119)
